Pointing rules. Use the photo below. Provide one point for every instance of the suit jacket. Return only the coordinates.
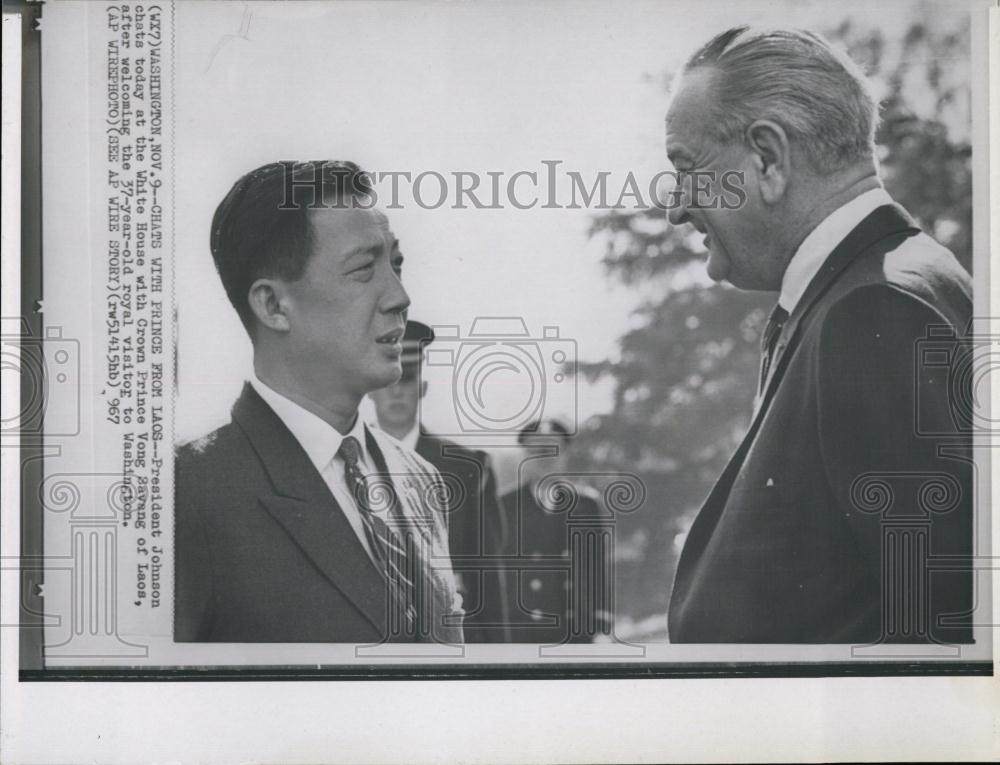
(542, 598)
(853, 482)
(476, 534)
(265, 554)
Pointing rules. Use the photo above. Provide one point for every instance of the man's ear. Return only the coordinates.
(423, 388)
(769, 144)
(267, 301)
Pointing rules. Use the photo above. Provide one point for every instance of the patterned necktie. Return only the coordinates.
(390, 551)
(768, 342)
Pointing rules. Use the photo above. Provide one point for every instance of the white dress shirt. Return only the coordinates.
(321, 442)
(816, 248)
(821, 242)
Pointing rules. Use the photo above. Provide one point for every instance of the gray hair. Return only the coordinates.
(796, 79)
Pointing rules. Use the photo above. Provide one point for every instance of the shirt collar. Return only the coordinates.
(320, 440)
(822, 240)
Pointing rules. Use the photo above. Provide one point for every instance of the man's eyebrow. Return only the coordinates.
(372, 248)
(361, 251)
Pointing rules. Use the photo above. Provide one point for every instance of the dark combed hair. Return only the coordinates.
(262, 229)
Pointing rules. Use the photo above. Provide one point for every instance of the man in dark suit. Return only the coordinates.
(475, 530)
(567, 602)
(296, 522)
(845, 515)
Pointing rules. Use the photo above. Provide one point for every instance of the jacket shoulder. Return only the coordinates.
(209, 465)
(918, 269)
(211, 446)
(924, 267)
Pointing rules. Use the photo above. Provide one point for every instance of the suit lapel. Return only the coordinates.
(322, 534)
(305, 508)
(882, 223)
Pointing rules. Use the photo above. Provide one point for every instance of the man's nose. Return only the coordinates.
(396, 299)
(677, 211)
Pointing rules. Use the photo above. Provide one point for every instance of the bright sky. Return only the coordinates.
(425, 86)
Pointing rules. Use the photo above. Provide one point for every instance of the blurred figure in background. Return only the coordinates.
(475, 530)
(549, 602)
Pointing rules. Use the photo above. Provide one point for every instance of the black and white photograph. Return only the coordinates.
(496, 342)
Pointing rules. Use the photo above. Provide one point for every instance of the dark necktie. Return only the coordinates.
(389, 550)
(768, 341)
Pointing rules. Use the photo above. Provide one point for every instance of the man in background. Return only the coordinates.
(292, 524)
(568, 601)
(796, 541)
(475, 521)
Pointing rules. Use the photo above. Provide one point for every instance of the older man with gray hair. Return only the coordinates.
(820, 529)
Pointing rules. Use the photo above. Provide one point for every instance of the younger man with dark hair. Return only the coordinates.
(295, 522)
